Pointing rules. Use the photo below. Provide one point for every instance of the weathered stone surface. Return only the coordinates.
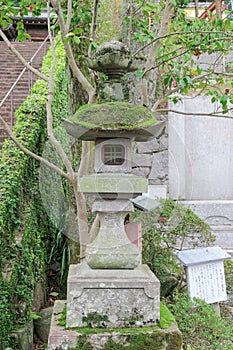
(42, 324)
(155, 145)
(111, 91)
(146, 203)
(159, 170)
(113, 183)
(157, 191)
(24, 337)
(118, 296)
(113, 115)
(142, 160)
(60, 338)
(200, 152)
(7, 271)
(112, 249)
(141, 171)
(152, 339)
(113, 59)
(219, 215)
(39, 297)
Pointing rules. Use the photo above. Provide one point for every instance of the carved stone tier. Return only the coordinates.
(112, 298)
(112, 249)
(113, 185)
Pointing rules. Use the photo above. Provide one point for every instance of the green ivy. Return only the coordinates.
(25, 230)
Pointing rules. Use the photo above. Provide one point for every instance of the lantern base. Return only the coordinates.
(112, 298)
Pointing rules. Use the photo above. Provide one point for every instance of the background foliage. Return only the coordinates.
(26, 233)
(165, 230)
(201, 327)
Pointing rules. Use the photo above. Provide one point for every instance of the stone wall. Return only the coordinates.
(150, 159)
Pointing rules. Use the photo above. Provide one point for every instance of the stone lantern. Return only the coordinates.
(111, 284)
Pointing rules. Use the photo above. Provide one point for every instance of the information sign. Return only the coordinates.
(205, 273)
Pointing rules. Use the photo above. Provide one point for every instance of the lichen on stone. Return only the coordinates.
(94, 319)
(113, 115)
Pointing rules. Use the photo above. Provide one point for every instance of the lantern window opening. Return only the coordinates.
(113, 154)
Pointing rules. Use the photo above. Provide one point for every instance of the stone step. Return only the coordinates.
(10, 69)
(154, 338)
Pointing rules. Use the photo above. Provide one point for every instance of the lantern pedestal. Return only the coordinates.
(112, 298)
(112, 249)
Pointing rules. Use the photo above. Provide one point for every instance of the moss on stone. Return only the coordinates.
(166, 317)
(166, 321)
(83, 344)
(94, 319)
(113, 115)
(147, 340)
(142, 338)
(62, 320)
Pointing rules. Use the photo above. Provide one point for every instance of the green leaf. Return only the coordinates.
(94, 46)
(67, 40)
(213, 99)
(4, 24)
(140, 73)
(35, 316)
(78, 31)
(199, 70)
(77, 40)
(54, 294)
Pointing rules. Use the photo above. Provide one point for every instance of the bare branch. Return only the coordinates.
(85, 159)
(162, 30)
(76, 71)
(82, 221)
(31, 154)
(51, 136)
(93, 25)
(69, 13)
(20, 57)
(94, 228)
(218, 4)
(158, 38)
(214, 114)
(94, 19)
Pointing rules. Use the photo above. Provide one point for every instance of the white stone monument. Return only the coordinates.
(201, 164)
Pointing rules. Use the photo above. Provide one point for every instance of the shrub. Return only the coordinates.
(165, 230)
(201, 327)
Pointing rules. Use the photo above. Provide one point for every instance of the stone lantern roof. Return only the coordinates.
(118, 118)
(113, 119)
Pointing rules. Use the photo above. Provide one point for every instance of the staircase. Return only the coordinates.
(10, 69)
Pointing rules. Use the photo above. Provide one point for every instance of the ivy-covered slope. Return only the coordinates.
(25, 230)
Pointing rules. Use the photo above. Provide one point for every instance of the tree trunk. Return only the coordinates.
(77, 97)
(218, 8)
(196, 8)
